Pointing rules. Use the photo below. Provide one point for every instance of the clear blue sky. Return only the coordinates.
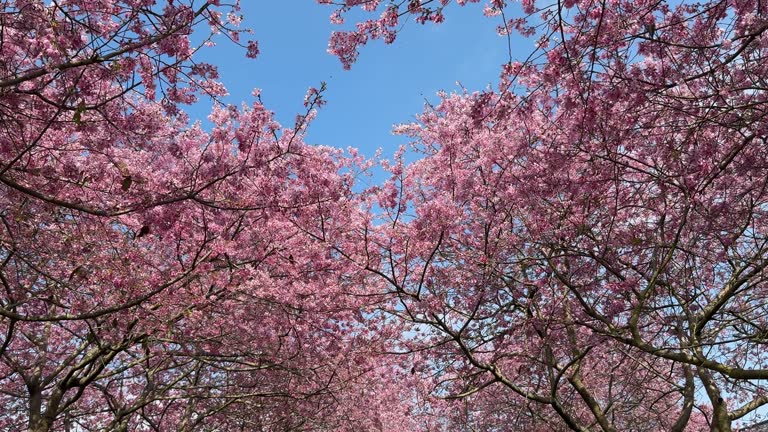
(387, 85)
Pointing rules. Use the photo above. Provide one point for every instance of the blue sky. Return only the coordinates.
(387, 85)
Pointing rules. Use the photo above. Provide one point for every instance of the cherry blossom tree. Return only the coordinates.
(584, 248)
(156, 275)
(581, 248)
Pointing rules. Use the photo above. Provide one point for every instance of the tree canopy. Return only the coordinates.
(582, 248)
